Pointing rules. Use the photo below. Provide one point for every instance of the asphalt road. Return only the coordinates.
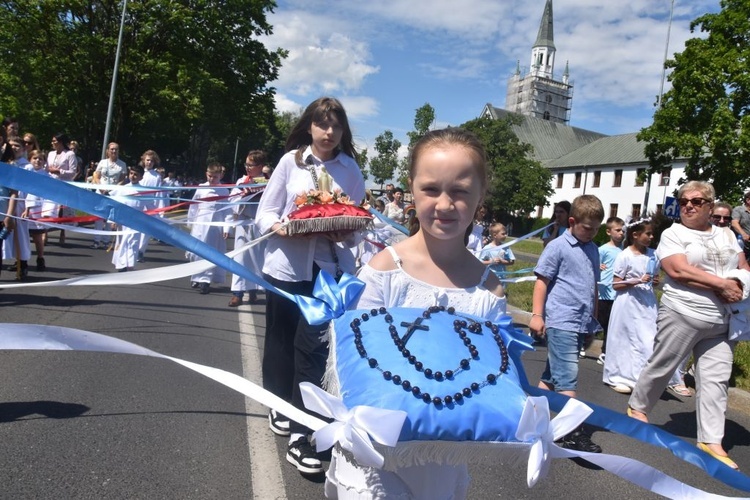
(92, 425)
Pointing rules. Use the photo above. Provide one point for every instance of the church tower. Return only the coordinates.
(537, 93)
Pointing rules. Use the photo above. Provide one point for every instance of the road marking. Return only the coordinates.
(265, 465)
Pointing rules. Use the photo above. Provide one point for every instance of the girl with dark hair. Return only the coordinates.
(632, 324)
(321, 141)
(62, 164)
(559, 221)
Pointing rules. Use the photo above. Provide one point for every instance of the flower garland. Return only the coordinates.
(319, 197)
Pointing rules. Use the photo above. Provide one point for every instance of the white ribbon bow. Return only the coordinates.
(536, 427)
(352, 427)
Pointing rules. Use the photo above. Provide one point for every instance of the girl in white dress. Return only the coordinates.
(632, 324)
(448, 178)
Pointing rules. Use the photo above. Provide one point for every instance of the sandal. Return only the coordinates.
(680, 390)
(637, 415)
(721, 458)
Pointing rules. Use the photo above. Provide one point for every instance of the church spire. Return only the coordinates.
(543, 52)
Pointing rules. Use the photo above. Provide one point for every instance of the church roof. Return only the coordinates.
(621, 149)
(550, 140)
(545, 37)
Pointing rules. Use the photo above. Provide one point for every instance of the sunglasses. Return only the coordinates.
(28, 143)
(696, 202)
(721, 217)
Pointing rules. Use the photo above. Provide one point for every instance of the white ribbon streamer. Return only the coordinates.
(139, 277)
(352, 427)
(536, 427)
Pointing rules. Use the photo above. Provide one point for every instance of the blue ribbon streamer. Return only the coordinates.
(389, 221)
(650, 434)
(329, 301)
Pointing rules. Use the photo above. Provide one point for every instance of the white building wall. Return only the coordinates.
(627, 196)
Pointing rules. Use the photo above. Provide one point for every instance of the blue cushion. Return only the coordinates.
(489, 414)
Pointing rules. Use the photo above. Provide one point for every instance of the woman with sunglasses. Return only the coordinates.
(693, 317)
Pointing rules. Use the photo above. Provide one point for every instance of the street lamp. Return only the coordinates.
(111, 105)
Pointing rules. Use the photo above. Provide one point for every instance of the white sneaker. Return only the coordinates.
(582, 354)
(621, 388)
(600, 359)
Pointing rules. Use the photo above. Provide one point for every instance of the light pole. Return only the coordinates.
(661, 95)
(111, 105)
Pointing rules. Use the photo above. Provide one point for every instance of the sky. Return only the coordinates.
(385, 58)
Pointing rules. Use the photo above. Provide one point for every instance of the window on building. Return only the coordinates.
(559, 181)
(618, 179)
(640, 175)
(659, 208)
(549, 98)
(636, 211)
(577, 183)
(613, 209)
(597, 179)
(546, 115)
(664, 181)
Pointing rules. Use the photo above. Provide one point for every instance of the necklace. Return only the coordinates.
(459, 326)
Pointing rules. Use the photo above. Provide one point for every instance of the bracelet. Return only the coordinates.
(535, 314)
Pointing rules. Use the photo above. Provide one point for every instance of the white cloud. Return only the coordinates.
(320, 61)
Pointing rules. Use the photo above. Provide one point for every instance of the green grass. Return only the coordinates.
(519, 295)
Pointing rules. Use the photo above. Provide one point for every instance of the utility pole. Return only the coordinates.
(661, 96)
(111, 105)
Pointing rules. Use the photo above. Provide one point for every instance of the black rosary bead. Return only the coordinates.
(459, 326)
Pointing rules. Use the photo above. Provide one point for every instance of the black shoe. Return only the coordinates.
(302, 455)
(278, 423)
(204, 288)
(253, 296)
(580, 441)
(40, 265)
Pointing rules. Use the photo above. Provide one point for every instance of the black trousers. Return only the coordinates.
(605, 310)
(293, 351)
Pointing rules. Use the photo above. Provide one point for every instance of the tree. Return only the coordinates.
(704, 116)
(193, 75)
(424, 117)
(517, 184)
(384, 164)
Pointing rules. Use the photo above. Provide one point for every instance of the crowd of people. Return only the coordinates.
(450, 257)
